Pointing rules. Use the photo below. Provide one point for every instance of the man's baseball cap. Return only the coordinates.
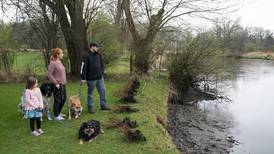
(93, 44)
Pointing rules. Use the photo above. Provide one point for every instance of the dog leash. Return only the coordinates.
(80, 90)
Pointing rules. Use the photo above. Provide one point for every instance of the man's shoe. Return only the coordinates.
(105, 108)
(90, 110)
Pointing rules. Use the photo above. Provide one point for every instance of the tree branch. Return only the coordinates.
(136, 36)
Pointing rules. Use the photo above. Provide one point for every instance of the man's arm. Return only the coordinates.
(83, 71)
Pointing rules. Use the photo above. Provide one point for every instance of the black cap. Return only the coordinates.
(93, 44)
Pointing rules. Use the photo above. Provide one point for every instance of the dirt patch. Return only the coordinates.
(194, 131)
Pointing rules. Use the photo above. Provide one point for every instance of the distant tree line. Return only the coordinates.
(135, 25)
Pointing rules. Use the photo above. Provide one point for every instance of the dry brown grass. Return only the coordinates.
(128, 89)
(259, 55)
(124, 109)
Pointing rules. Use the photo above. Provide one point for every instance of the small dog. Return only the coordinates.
(21, 106)
(47, 91)
(89, 131)
(75, 107)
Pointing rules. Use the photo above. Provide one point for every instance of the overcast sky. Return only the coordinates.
(258, 13)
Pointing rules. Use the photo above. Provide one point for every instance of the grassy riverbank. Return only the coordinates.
(258, 55)
(61, 137)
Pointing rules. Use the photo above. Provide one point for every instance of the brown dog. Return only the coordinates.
(75, 107)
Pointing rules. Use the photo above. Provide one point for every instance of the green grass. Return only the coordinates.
(33, 61)
(120, 67)
(61, 137)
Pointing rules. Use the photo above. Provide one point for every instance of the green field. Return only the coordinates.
(33, 61)
(62, 137)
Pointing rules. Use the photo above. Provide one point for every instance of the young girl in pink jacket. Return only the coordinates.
(33, 105)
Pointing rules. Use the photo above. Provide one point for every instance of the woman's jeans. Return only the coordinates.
(100, 86)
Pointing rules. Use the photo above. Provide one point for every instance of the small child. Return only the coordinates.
(33, 105)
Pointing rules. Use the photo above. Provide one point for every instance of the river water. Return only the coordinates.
(244, 125)
(251, 111)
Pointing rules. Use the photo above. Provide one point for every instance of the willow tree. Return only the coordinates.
(154, 15)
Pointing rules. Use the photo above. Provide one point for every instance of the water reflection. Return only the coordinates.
(251, 109)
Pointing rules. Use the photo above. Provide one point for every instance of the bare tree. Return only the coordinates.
(154, 15)
(227, 32)
(42, 20)
(74, 17)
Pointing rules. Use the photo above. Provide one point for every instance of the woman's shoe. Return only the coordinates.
(40, 131)
(35, 133)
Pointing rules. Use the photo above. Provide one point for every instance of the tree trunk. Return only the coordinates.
(118, 22)
(142, 51)
(76, 46)
(142, 47)
(73, 29)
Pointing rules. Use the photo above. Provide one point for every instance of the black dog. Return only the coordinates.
(89, 130)
(47, 91)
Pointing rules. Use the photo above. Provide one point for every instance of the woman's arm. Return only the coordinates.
(51, 70)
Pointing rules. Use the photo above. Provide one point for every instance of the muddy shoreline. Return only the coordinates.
(195, 131)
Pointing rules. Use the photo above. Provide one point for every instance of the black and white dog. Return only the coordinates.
(47, 91)
(89, 131)
(21, 105)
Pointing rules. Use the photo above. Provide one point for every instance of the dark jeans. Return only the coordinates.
(60, 96)
(38, 123)
(100, 86)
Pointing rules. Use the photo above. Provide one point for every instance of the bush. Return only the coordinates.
(250, 47)
(195, 61)
(7, 60)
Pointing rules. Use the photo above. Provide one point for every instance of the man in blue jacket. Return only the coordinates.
(92, 71)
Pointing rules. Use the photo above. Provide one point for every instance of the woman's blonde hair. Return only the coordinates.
(55, 53)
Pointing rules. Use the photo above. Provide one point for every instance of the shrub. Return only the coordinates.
(250, 47)
(7, 60)
(194, 62)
